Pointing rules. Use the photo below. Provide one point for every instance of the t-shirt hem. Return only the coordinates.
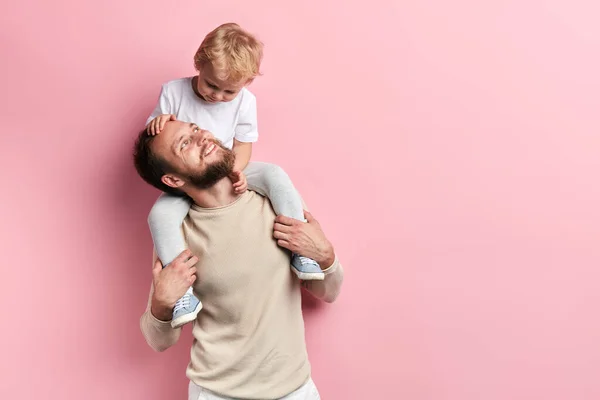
(246, 138)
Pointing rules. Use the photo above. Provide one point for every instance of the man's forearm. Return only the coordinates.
(329, 288)
(327, 260)
(160, 310)
(156, 326)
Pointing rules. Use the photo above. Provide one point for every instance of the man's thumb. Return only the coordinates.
(308, 216)
(157, 268)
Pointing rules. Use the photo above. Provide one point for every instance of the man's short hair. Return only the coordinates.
(150, 166)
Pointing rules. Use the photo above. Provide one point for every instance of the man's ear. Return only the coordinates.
(172, 180)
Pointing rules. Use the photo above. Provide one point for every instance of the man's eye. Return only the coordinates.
(196, 129)
(185, 143)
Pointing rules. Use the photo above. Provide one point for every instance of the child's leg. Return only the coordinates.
(165, 221)
(273, 182)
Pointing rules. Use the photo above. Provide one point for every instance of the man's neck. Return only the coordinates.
(219, 195)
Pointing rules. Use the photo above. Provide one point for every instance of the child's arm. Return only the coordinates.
(243, 152)
(158, 124)
(161, 114)
(246, 133)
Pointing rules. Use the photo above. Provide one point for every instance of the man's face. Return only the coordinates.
(194, 154)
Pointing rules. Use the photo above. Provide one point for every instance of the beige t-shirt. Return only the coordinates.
(249, 337)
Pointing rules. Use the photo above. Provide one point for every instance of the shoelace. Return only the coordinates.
(183, 302)
(306, 260)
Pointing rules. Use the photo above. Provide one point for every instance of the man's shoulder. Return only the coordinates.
(258, 199)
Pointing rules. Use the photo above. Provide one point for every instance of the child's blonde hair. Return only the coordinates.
(234, 54)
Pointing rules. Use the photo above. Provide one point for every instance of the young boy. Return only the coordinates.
(217, 100)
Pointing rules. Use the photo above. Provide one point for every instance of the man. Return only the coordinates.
(249, 337)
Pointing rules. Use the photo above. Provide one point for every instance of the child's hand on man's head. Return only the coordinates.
(240, 184)
(158, 124)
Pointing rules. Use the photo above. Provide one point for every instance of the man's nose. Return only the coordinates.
(203, 136)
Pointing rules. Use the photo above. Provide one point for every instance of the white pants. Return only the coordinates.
(308, 391)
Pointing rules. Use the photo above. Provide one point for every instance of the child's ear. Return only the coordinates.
(249, 81)
(172, 180)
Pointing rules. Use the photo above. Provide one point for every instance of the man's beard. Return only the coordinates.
(214, 172)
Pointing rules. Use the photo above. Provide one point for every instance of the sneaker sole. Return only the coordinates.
(186, 318)
(309, 276)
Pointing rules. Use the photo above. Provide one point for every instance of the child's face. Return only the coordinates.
(214, 90)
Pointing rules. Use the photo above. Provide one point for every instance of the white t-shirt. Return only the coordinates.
(235, 119)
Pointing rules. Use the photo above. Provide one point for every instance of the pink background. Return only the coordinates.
(454, 158)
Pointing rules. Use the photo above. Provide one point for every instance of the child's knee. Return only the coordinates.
(168, 210)
(275, 173)
(157, 215)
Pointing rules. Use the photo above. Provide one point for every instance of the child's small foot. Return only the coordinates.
(186, 309)
(307, 269)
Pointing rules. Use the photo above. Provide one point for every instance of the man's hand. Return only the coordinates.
(171, 283)
(240, 184)
(304, 238)
(157, 124)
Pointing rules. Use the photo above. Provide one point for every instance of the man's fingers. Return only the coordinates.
(183, 256)
(308, 216)
(284, 243)
(280, 235)
(192, 279)
(281, 228)
(285, 220)
(193, 260)
(193, 271)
